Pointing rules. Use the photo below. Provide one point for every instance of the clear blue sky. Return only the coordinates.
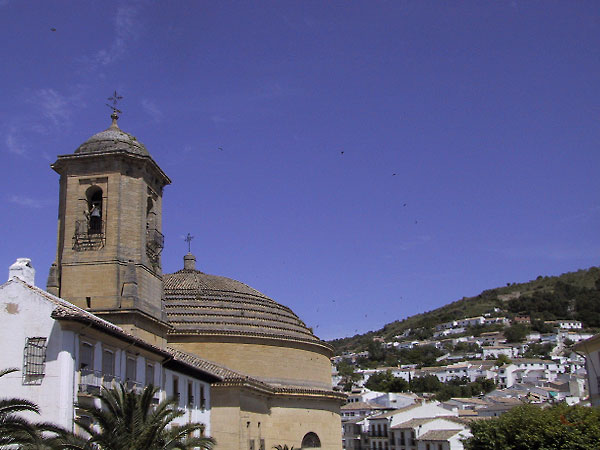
(470, 134)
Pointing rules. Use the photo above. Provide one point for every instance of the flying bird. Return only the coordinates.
(393, 174)
(52, 29)
(404, 204)
(221, 148)
(341, 153)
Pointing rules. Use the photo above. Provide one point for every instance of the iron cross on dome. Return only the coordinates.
(188, 239)
(114, 99)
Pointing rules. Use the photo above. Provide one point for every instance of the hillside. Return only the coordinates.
(573, 295)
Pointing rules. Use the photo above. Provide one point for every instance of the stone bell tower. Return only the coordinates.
(109, 232)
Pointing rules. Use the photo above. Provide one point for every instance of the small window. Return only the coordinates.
(34, 360)
(108, 365)
(86, 357)
(202, 398)
(262, 444)
(130, 372)
(251, 444)
(176, 388)
(190, 394)
(149, 374)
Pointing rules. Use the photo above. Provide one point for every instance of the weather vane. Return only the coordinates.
(114, 99)
(188, 239)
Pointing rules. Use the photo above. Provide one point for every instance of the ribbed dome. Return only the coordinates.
(199, 303)
(113, 139)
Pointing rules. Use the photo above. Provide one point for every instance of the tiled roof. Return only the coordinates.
(67, 311)
(361, 405)
(387, 414)
(439, 435)
(413, 423)
(198, 303)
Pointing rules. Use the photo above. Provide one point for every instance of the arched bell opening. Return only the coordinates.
(94, 213)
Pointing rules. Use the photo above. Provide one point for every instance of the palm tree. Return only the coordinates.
(14, 429)
(283, 447)
(126, 420)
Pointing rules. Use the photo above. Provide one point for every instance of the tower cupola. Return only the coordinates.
(109, 232)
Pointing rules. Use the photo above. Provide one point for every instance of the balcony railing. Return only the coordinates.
(155, 240)
(91, 381)
(87, 237)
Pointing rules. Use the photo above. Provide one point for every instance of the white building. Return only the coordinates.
(494, 351)
(65, 354)
(394, 430)
(471, 321)
(591, 349)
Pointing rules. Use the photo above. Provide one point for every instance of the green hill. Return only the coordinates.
(570, 295)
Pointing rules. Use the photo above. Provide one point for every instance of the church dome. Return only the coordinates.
(198, 303)
(113, 139)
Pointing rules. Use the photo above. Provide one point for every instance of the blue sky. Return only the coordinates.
(469, 132)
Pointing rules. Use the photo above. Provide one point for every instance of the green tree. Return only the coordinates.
(530, 427)
(348, 374)
(516, 333)
(126, 420)
(380, 381)
(502, 359)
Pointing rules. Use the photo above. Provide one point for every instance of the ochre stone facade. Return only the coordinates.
(271, 361)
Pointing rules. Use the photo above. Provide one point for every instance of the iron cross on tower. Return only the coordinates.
(188, 239)
(114, 99)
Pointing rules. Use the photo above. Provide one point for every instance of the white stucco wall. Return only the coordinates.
(25, 314)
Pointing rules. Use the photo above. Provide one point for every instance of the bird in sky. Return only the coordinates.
(341, 153)
(52, 29)
(393, 174)
(221, 148)
(404, 204)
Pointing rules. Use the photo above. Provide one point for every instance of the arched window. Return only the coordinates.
(94, 213)
(311, 440)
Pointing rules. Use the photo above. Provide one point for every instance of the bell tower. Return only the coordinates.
(109, 232)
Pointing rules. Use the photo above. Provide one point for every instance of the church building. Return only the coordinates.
(269, 375)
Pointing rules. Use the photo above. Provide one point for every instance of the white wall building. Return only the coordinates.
(591, 349)
(65, 354)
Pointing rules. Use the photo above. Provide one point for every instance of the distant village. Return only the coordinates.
(410, 421)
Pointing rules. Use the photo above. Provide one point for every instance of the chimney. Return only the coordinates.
(23, 270)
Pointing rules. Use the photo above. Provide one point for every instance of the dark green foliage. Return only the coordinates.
(502, 359)
(467, 347)
(127, 420)
(386, 382)
(423, 355)
(348, 374)
(516, 332)
(529, 427)
(428, 383)
(539, 351)
(462, 387)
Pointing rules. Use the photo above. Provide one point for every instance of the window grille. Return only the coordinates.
(34, 360)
